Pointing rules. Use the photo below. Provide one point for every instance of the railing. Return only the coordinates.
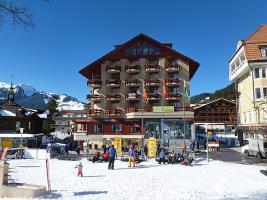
(153, 96)
(114, 111)
(150, 109)
(173, 97)
(155, 82)
(114, 83)
(94, 83)
(116, 68)
(131, 83)
(113, 97)
(172, 67)
(152, 68)
(95, 112)
(132, 68)
(133, 96)
(172, 82)
(94, 97)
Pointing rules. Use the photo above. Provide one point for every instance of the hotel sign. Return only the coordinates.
(165, 109)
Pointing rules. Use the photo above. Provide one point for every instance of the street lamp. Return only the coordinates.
(21, 132)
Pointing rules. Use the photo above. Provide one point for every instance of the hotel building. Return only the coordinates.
(128, 87)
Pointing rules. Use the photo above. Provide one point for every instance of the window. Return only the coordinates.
(134, 129)
(264, 52)
(142, 48)
(257, 73)
(264, 92)
(98, 128)
(258, 93)
(232, 67)
(116, 128)
(263, 72)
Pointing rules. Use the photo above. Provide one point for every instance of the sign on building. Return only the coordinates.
(81, 137)
(165, 108)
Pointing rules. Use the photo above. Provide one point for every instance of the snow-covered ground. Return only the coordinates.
(214, 180)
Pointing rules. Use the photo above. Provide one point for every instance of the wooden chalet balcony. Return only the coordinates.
(133, 97)
(173, 97)
(113, 69)
(172, 82)
(150, 109)
(132, 83)
(153, 97)
(114, 112)
(113, 98)
(95, 112)
(152, 68)
(113, 83)
(155, 82)
(94, 83)
(172, 68)
(94, 97)
(132, 69)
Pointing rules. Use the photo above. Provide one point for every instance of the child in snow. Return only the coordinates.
(80, 169)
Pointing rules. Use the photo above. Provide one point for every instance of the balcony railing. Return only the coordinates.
(132, 68)
(172, 82)
(113, 83)
(153, 97)
(133, 97)
(113, 97)
(150, 109)
(94, 83)
(113, 69)
(172, 68)
(152, 68)
(173, 97)
(94, 97)
(114, 112)
(95, 112)
(152, 82)
(132, 83)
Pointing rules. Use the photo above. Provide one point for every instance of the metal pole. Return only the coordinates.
(207, 142)
(142, 119)
(162, 108)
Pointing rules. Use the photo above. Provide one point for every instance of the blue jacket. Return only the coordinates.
(131, 153)
(112, 152)
(162, 154)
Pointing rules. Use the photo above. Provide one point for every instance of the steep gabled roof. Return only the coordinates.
(117, 53)
(220, 99)
(252, 43)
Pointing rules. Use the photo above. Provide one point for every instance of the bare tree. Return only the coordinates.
(17, 12)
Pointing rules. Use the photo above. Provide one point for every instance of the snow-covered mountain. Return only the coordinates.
(28, 96)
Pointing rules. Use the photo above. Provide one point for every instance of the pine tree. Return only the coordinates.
(52, 108)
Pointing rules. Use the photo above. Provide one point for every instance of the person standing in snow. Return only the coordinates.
(162, 156)
(80, 169)
(112, 155)
(145, 151)
(131, 157)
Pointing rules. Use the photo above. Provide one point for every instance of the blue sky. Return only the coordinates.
(70, 34)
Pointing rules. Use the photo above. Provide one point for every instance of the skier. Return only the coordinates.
(80, 169)
(112, 155)
(131, 157)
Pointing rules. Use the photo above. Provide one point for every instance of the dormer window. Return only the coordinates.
(264, 52)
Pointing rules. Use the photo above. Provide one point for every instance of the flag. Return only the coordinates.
(164, 89)
(186, 94)
(145, 95)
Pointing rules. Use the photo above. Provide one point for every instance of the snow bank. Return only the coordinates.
(6, 113)
(212, 181)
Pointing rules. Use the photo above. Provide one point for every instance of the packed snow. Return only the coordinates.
(6, 113)
(214, 180)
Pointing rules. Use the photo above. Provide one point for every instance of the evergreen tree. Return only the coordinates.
(52, 108)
